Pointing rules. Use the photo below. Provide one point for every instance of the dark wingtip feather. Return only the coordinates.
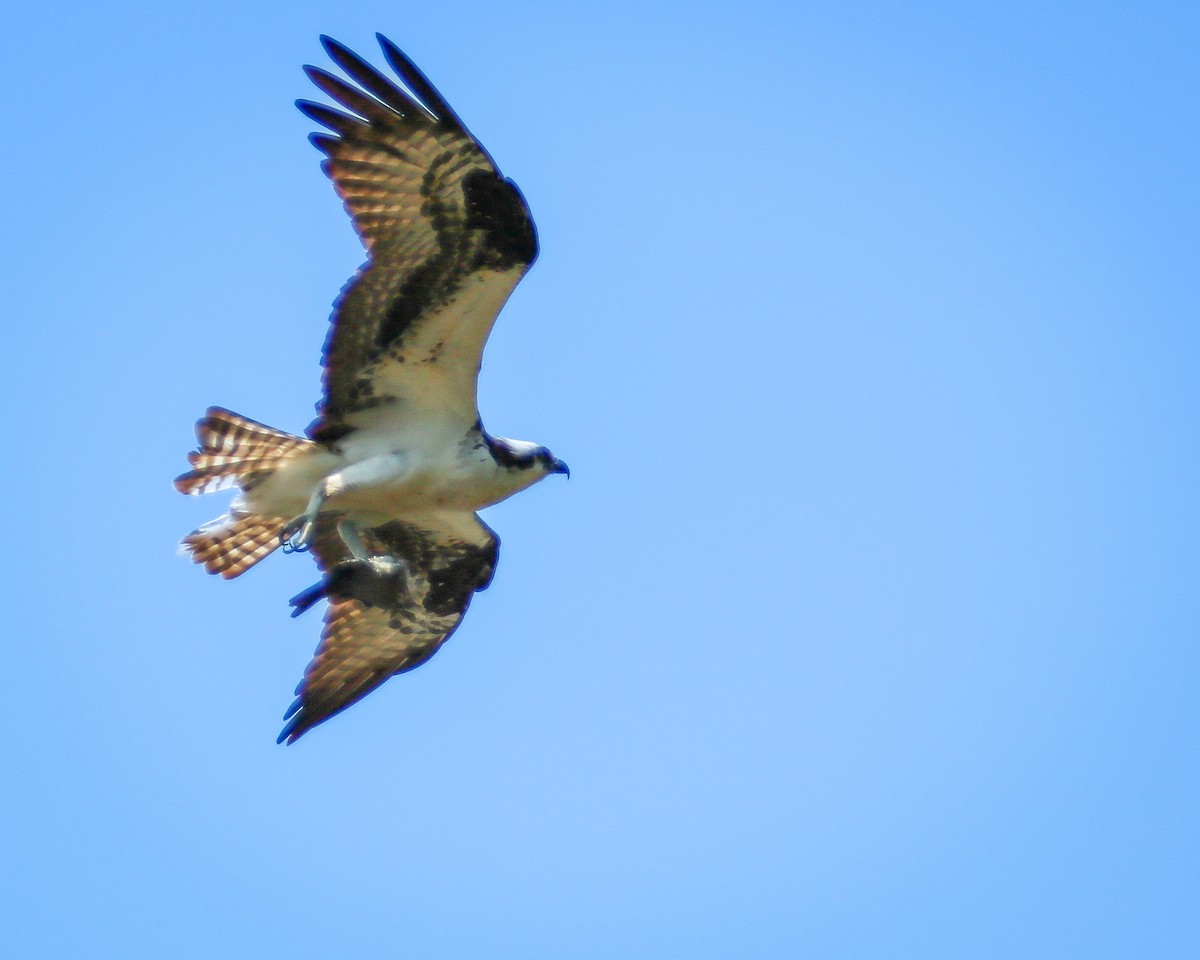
(420, 84)
(323, 142)
(299, 722)
(314, 73)
(370, 79)
(288, 735)
(340, 123)
(354, 99)
(294, 708)
(428, 95)
(292, 728)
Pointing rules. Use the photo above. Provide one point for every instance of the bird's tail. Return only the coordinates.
(235, 451)
(238, 452)
(231, 545)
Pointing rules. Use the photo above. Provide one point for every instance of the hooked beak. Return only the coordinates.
(560, 467)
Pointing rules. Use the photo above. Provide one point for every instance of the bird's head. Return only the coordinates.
(522, 455)
(551, 464)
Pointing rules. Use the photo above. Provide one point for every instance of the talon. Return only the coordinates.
(296, 535)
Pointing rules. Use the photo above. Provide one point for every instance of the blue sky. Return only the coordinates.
(867, 624)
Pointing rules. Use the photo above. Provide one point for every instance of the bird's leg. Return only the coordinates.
(384, 566)
(297, 533)
(387, 470)
(349, 534)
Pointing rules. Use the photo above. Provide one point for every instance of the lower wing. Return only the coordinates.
(391, 612)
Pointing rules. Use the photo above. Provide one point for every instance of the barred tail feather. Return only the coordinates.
(231, 545)
(235, 451)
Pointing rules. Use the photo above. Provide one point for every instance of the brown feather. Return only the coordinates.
(379, 627)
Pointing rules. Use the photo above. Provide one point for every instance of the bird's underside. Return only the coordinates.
(383, 489)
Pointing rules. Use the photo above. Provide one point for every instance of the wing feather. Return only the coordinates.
(375, 82)
(412, 75)
(340, 123)
(390, 616)
(447, 237)
(348, 96)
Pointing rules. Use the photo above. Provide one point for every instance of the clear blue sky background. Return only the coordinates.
(867, 625)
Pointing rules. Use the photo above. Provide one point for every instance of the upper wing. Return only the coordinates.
(386, 617)
(447, 238)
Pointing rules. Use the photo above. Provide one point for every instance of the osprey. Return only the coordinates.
(385, 486)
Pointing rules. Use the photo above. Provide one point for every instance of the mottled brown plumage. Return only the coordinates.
(383, 622)
(435, 216)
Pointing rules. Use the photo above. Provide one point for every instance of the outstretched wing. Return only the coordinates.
(447, 238)
(389, 614)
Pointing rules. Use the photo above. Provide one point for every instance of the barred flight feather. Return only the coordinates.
(223, 431)
(235, 450)
(232, 545)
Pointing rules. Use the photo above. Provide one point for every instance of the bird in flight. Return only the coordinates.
(385, 485)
